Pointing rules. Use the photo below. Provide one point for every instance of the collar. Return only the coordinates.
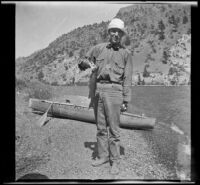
(115, 47)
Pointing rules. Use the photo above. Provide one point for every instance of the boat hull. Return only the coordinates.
(82, 113)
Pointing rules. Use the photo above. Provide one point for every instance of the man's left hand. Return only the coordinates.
(124, 106)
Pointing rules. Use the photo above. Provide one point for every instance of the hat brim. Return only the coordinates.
(123, 30)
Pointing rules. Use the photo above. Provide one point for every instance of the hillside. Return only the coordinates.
(159, 36)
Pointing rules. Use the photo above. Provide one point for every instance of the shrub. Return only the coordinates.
(166, 56)
(145, 72)
(71, 54)
(161, 26)
(54, 83)
(40, 75)
(39, 91)
(20, 84)
(185, 19)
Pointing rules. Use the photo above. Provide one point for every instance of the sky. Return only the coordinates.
(39, 23)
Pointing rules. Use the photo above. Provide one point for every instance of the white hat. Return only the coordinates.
(117, 23)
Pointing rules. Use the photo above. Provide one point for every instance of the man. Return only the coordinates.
(111, 80)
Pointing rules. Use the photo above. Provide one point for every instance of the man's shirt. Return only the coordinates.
(114, 65)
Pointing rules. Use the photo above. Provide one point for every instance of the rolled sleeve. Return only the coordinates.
(89, 54)
(127, 82)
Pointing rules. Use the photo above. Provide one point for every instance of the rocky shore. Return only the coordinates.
(64, 149)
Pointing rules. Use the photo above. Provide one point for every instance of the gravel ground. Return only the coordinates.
(64, 149)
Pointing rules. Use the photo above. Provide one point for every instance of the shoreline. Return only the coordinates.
(171, 149)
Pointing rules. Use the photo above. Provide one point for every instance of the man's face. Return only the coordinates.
(115, 35)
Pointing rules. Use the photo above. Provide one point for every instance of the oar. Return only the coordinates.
(42, 120)
(135, 115)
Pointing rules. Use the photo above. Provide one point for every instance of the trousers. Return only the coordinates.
(108, 99)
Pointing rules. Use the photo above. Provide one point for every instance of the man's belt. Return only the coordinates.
(108, 82)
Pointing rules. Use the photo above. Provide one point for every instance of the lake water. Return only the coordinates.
(168, 104)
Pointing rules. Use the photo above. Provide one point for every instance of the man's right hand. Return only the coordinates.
(83, 65)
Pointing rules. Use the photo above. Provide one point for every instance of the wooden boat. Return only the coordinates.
(83, 113)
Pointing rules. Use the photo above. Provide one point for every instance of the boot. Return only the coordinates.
(114, 168)
(100, 161)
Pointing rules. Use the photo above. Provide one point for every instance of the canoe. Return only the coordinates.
(83, 113)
